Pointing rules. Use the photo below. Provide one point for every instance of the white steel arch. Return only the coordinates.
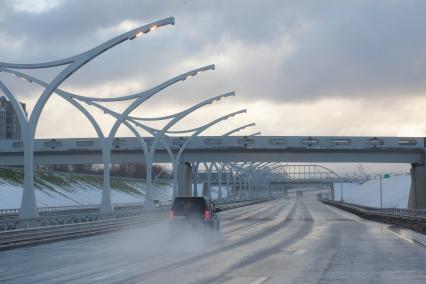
(29, 205)
(106, 143)
(239, 129)
(150, 151)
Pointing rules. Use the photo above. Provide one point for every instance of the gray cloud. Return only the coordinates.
(274, 50)
(359, 49)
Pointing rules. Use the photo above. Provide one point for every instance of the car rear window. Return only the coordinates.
(188, 205)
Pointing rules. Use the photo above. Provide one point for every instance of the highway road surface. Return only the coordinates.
(282, 241)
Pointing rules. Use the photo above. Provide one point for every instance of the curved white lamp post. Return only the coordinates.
(150, 151)
(65, 95)
(239, 171)
(196, 132)
(257, 174)
(254, 134)
(106, 198)
(239, 129)
(263, 173)
(229, 173)
(201, 129)
(195, 167)
(209, 178)
(106, 143)
(223, 164)
(236, 174)
(29, 205)
(247, 173)
(224, 169)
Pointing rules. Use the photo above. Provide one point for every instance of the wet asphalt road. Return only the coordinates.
(282, 241)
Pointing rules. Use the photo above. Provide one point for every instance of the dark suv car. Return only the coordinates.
(194, 211)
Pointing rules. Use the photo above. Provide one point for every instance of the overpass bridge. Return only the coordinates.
(236, 150)
(296, 149)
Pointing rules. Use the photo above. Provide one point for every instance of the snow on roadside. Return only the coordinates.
(395, 192)
(63, 189)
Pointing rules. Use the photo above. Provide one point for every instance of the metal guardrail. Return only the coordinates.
(31, 236)
(69, 210)
(70, 207)
(397, 212)
(411, 218)
(54, 218)
(239, 203)
(79, 209)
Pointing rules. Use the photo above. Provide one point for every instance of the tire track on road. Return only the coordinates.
(174, 265)
(270, 217)
(233, 222)
(255, 237)
(275, 249)
(262, 210)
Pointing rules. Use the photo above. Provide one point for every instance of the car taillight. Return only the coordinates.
(171, 215)
(207, 215)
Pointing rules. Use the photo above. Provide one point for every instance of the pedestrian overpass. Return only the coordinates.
(240, 150)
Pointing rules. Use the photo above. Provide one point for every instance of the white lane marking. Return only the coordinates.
(294, 251)
(108, 275)
(401, 236)
(3, 270)
(259, 280)
(311, 238)
(299, 252)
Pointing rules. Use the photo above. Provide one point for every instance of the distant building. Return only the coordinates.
(9, 123)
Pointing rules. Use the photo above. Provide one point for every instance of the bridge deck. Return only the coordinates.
(228, 149)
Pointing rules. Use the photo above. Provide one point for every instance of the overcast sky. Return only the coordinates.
(299, 67)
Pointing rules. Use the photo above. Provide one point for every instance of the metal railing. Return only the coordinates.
(71, 209)
(411, 218)
(399, 212)
(31, 236)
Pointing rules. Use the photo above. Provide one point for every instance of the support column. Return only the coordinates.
(209, 182)
(228, 188)
(106, 203)
(184, 179)
(417, 197)
(285, 191)
(205, 189)
(28, 202)
(332, 191)
(240, 187)
(250, 189)
(219, 179)
(195, 178)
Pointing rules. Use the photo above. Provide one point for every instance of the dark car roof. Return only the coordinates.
(190, 204)
(192, 198)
